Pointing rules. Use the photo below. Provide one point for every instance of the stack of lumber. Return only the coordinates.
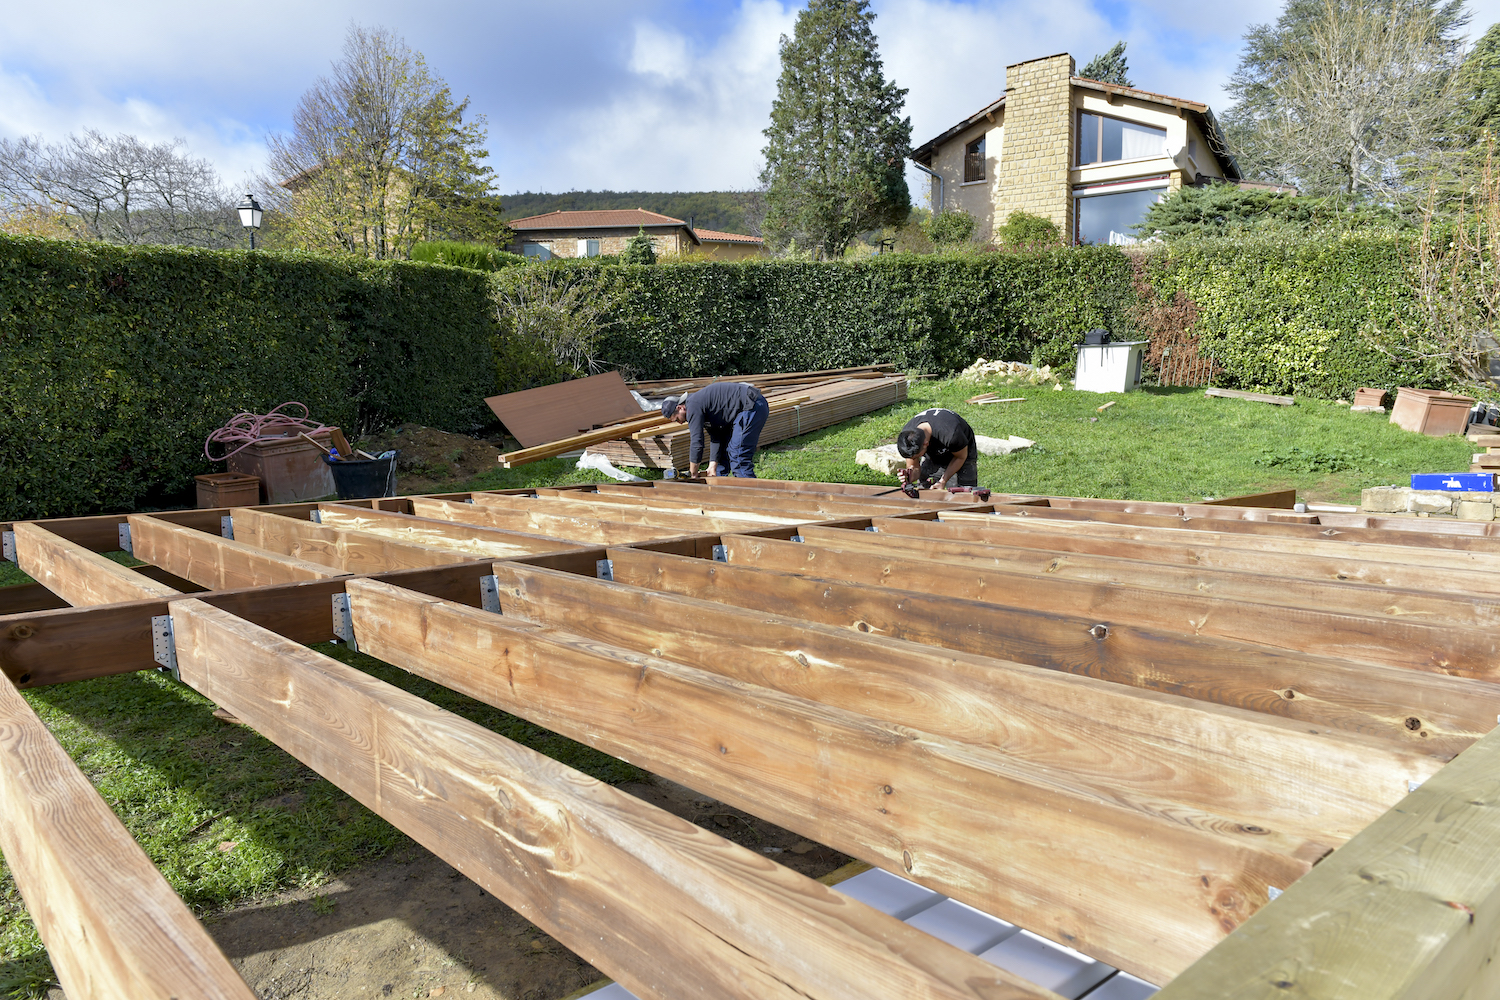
(766, 383)
(823, 403)
(1489, 459)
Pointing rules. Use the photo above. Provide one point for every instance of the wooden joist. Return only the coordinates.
(665, 908)
(77, 575)
(213, 561)
(342, 549)
(112, 925)
(613, 526)
(465, 540)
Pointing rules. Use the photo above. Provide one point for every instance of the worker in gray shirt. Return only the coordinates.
(733, 413)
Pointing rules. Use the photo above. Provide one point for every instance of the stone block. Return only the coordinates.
(1425, 502)
(1383, 499)
(1476, 510)
(1001, 446)
(884, 460)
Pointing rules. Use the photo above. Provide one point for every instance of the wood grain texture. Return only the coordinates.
(607, 506)
(1240, 585)
(214, 561)
(112, 926)
(1465, 652)
(906, 800)
(1444, 712)
(470, 541)
(343, 549)
(1112, 738)
(585, 530)
(665, 908)
(1408, 909)
(77, 575)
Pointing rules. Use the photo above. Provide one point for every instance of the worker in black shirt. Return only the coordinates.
(734, 413)
(939, 445)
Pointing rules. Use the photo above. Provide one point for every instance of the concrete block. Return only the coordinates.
(1429, 503)
(1383, 499)
(1476, 510)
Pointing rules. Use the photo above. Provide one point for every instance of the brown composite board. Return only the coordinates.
(547, 413)
(1464, 652)
(214, 561)
(1229, 761)
(1244, 586)
(1444, 713)
(462, 539)
(908, 801)
(112, 925)
(666, 908)
(1345, 564)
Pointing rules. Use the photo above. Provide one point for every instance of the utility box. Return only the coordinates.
(290, 469)
(1112, 367)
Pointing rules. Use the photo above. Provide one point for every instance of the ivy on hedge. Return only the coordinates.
(118, 361)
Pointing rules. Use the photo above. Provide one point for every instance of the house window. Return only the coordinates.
(974, 161)
(588, 248)
(1102, 140)
(536, 250)
(1109, 217)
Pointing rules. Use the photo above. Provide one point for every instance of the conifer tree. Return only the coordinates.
(1109, 67)
(837, 143)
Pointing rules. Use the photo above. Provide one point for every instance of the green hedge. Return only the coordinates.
(118, 361)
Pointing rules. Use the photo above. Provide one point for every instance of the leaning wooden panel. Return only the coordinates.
(213, 561)
(662, 906)
(1020, 841)
(1408, 909)
(112, 926)
(77, 575)
(1466, 652)
(1114, 739)
(1447, 712)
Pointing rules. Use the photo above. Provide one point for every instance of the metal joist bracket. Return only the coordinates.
(8, 545)
(315, 516)
(489, 593)
(796, 538)
(721, 553)
(164, 645)
(226, 527)
(125, 536)
(604, 569)
(870, 528)
(343, 621)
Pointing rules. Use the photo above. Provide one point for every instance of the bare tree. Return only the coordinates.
(379, 156)
(1346, 97)
(118, 189)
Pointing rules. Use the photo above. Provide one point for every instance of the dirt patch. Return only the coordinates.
(410, 925)
(430, 457)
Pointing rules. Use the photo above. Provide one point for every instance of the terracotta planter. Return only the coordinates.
(1431, 411)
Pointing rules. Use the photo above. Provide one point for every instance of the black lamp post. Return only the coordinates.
(250, 216)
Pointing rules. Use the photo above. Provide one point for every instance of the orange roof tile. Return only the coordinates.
(602, 219)
(714, 236)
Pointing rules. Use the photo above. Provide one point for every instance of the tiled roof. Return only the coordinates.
(607, 219)
(714, 236)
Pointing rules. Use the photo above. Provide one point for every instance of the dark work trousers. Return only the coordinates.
(968, 473)
(738, 452)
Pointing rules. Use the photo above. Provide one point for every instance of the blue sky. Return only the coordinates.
(619, 94)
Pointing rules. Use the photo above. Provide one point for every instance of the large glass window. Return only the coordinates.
(536, 250)
(974, 161)
(1101, 140)
(1109, 218)
(588, 248)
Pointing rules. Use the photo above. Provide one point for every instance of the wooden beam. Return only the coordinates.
(1448, 713)
(574, 528)
(663, 907)
(1409, 908)
(653, 423)
(351, 551)
(471, 541)
(1283, 499)
(1256, 397)
(743, 503)
(112, 925)
(214, 561)
(1343, 563)
(1250, 588)
(1464, 652)
(1112, 738)
(77, 575)
(605, 506)
(908, 801)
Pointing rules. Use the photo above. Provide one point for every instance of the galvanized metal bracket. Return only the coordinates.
(721, 553)
(1272, 892)
(164, 645)
(343, 621)
(315, 516)
(870, 528)
(604, 569)
(8, 545)
(226, 527)
(796, 538)
(489, 593)
(125, 536)
(1412, 785)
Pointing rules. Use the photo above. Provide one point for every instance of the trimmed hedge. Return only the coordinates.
(118, 361)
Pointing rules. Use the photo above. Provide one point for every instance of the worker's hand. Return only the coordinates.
(906, 475)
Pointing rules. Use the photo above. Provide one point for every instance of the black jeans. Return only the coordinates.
(968, 473)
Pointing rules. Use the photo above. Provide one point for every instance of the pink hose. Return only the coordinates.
(244, 429)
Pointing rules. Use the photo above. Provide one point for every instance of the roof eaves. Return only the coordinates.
(927, 148)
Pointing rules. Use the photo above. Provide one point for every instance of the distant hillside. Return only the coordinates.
(722, 210)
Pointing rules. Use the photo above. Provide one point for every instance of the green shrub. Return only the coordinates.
(118, 361)
(1022, 229)
(475, 256)
(639, 250)
(946, 229)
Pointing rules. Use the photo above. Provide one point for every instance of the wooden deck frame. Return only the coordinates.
(1441, 952)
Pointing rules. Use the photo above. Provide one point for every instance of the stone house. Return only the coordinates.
(1090, 156)
(606, 232)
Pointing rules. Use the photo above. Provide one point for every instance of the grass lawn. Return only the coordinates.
(227, 816)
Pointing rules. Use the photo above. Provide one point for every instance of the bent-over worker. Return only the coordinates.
(734, 413)
(939, 445)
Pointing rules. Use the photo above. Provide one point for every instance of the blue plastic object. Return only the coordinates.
(1464, 482)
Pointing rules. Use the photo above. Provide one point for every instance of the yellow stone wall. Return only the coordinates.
(1038, 142)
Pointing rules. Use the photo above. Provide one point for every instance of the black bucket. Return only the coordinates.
(361, 478)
